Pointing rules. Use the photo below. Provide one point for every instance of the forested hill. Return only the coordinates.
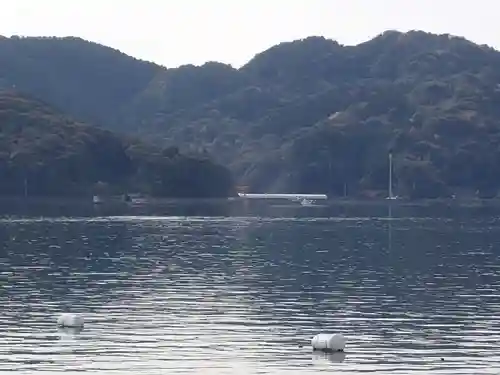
(309, 115)
(44, 153)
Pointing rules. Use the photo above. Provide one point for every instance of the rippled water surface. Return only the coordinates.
(244, 295)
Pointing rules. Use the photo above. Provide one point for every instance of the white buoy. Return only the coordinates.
(328, 342)
(70, 321)
(69, 332)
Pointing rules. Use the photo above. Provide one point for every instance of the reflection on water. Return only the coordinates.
(332, 357)
(244, 295)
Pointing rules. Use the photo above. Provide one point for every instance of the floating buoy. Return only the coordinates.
(328, 342)
(69, 331)
(70, 321)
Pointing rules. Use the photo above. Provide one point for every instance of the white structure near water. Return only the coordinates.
(282, 196)
(328, 342)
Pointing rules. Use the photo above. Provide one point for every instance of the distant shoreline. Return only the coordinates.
(148, 201)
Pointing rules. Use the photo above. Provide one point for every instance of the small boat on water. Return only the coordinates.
(134, 198)
(127, 198)
(96, 199)
(306, 202)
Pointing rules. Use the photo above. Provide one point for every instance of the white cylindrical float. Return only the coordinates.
(328, 342)
(70, 321)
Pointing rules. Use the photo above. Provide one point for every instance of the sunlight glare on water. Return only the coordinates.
(246, 295)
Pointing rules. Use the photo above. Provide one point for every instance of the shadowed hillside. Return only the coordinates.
(85, 79)
(43, 153)
(304, 116)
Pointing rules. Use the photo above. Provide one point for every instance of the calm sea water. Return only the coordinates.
(243, 292)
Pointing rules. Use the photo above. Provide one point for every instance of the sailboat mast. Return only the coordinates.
(390, 175)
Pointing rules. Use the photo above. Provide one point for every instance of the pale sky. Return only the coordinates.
(176, 32)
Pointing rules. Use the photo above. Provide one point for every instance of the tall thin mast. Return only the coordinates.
(390, 174)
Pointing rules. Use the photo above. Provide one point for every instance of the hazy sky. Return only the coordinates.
(175, 32)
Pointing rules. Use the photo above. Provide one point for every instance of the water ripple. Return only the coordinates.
(245, 295)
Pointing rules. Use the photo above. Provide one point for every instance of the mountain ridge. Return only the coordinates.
(429, 97)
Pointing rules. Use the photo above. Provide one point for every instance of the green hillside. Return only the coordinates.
(309, 115)
(48, 153)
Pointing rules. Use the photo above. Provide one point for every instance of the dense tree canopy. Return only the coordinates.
(43, 152)
(309, 115)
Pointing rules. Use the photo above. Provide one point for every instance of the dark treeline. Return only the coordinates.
(44, 153)
(305, 116)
